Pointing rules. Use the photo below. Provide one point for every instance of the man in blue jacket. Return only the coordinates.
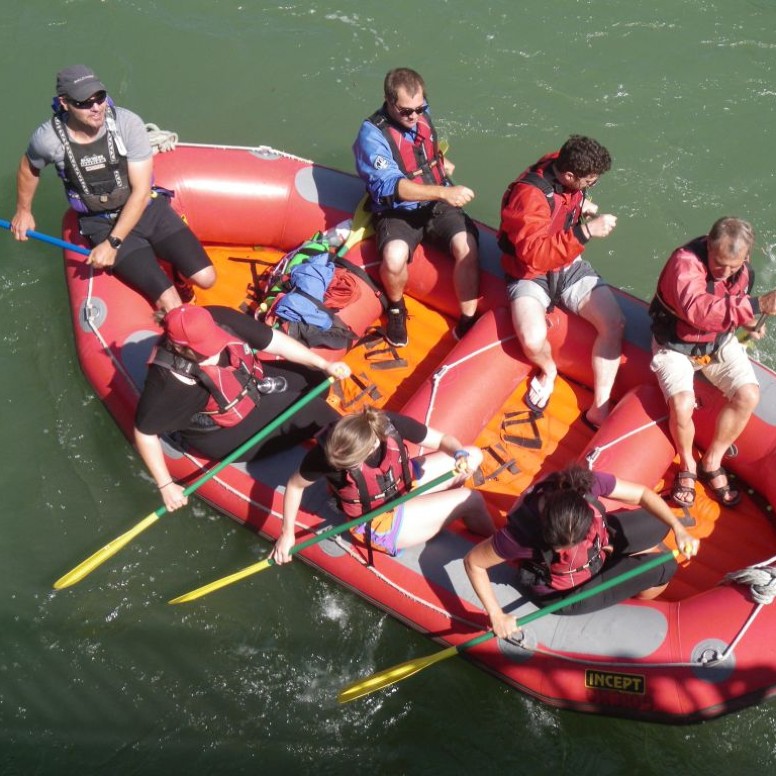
(413, 198)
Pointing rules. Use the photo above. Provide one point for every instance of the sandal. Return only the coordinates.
(538, 396)
(686, 492)
(721, 492)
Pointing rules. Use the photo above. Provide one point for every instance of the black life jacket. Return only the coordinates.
(96, 174)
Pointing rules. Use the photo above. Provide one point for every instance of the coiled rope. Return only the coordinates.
(161, 139)
(760, 578)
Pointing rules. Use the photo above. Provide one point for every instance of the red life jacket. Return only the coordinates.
(421, 160)
(368, 487)
(565, 209)
(232, 390)
(673, 331)
(564, 569)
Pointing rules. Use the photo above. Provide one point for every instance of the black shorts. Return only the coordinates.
(438, 223)
(159, 232)
(631, 531)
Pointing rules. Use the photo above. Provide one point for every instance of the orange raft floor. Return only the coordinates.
(517, 444)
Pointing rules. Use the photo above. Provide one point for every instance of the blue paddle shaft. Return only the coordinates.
(46, 238)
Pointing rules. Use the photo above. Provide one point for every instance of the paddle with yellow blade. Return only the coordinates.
(360, 228)
(109, 550)
(255, 568)
(395, 674)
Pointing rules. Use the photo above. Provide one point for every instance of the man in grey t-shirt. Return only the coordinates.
(104, 158)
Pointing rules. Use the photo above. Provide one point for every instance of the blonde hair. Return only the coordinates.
(354, 437)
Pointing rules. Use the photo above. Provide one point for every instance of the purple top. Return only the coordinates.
(507, 547)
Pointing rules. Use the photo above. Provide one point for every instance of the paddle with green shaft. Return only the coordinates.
(395, 674)
(50, 240)
(110, 549)
(327, 534)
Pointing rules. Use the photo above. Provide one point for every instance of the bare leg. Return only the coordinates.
(205, 278)
(530, 322)
(682, 429)
(169, 300)
(427, 515)
(601, 309)
(436, 464)
(394, 269)
(651, 592)
(466, 274)
(731, 422)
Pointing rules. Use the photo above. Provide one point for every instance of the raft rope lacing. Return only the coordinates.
(163, 140)
(761, 578)
(439, 374)
(753, 575)
(594, 454)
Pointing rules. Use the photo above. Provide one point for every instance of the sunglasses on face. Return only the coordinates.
(95, 99)
(407, 112)
(586, 181)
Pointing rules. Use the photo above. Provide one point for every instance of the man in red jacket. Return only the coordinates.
(544, 230)
(703, 295)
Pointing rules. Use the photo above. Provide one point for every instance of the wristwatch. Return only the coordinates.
(114, 242)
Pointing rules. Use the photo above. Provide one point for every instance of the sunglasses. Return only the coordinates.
(407, 112)
(95, 99)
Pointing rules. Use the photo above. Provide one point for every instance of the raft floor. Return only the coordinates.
(387, 377)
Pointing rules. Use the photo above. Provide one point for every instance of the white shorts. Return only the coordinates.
(730, 370)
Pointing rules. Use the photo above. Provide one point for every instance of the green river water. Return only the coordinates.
(105, 678)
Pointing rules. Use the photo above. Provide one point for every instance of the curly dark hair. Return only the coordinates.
(583, 156)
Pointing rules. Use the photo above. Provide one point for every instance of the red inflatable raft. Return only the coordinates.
(701, 650)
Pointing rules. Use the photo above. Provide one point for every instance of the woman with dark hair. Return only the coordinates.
(563, 540)
(364, 458)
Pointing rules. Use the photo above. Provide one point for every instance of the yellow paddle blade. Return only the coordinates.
(109, 550)
(361, 226)
(223, 582)
(392, 675)
(444, 146)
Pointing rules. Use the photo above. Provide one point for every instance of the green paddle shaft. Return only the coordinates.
(391, 676)
(259, 436)
(338, 529)
(109, 550)
(576, 597)
(262, 565)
